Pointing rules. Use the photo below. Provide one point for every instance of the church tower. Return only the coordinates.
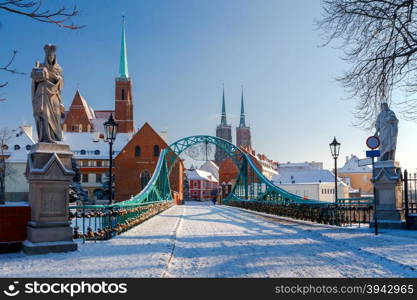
(243, 136)
(223, 131)
(123, 92)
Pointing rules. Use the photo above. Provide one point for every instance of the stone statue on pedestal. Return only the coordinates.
(49, 169)
(387, 129)
(387, 173)
(47, 83)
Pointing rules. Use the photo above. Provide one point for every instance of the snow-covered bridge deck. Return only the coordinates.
(202, 240)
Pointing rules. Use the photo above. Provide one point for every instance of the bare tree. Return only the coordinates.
(35, 10)
(5, 137)
(379, 40)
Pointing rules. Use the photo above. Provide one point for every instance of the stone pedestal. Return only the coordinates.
(49, 174)
(388, 193)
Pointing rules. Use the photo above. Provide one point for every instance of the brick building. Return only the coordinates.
(136, 162)
(228, 172)
(201, 184)
(81, 117)
(223, 131)
(243, 134)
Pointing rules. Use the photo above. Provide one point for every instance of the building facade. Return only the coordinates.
(15, 153)
(223, 131)
(136, 163)
(202, 185)
(359, 178)
(243, 134)
(311, 183)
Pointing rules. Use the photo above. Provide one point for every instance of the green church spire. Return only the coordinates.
(242, 112)
(223, 120)
(123, 69)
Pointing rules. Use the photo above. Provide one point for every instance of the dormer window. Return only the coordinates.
(28, 147)
(97, 152)
(82, 152)
(16, 147)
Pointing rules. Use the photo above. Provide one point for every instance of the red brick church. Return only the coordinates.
(84, 132)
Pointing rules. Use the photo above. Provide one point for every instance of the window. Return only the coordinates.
(156, 150)
(85, 178)
(28, 147)
(123, 94)
(16, 147)
(144, 179)
(97, 152)
(82, 152)
(99, 163)
(195, 184)
(98, 178)
(92, 163)
(137, 151)
(84, 163)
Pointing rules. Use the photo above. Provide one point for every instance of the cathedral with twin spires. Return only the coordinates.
(224, 131)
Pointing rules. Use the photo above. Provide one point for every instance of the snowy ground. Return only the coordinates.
(202, 240)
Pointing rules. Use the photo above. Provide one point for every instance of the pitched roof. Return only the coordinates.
(211, 167)
(21, 139)
(352, 166)
(304, 176)
(198, 174)
(146, 127)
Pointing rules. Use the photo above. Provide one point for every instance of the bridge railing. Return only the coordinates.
(102, 222)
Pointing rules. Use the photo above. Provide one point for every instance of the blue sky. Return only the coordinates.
(181, 51)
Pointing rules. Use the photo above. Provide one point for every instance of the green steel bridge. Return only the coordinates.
(251, 190)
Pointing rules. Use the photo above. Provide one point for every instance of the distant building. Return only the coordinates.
(91, 153)
(312, 165)
(223, 131)
(201, 184)
(358, 178)
(311, 183)
(16, 154)
(243, 134)
(83, 118)
(211, 167)
(228, 172)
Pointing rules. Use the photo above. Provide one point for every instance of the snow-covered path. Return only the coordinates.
(202, 240)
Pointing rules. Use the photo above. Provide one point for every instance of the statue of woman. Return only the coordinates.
(387, 127)
(47, 83)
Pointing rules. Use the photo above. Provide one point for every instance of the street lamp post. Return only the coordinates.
(110, 127)
(334, 149)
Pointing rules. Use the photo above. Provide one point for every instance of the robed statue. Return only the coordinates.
(387, 130)
(47, 83)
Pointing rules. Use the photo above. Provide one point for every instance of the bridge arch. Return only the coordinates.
(251, 184)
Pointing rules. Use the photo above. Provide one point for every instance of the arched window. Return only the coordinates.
(82, 152)
(16, 147)
(123, 94)
(137, 151)
(144, 179)
(156, 150)
(28, 147)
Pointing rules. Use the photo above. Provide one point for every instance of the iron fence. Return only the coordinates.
(410, 199)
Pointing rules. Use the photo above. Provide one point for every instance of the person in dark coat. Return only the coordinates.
(214, 196)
